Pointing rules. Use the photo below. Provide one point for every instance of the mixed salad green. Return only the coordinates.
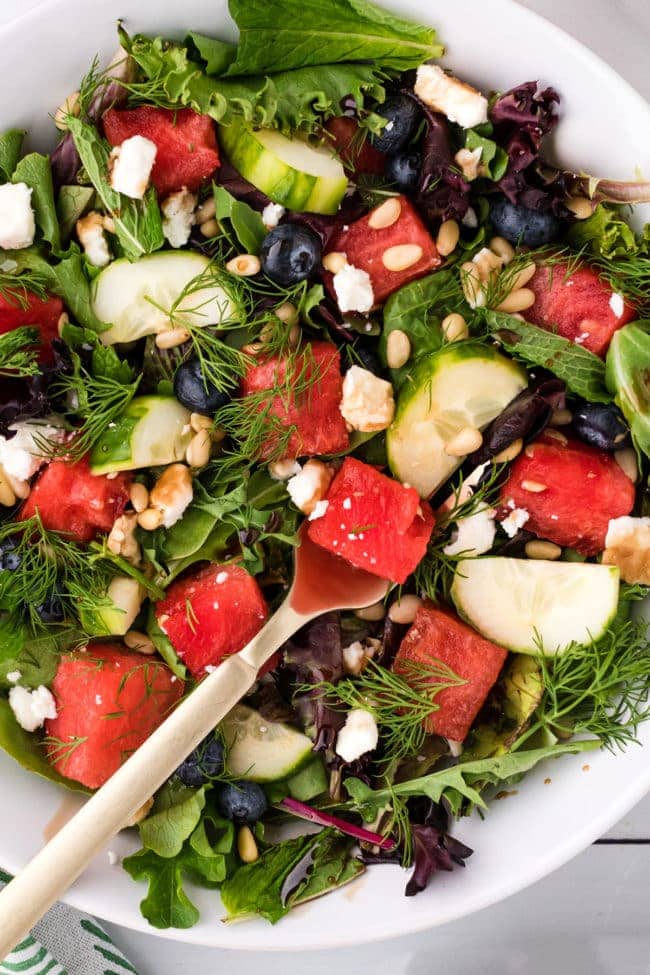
(313, 276)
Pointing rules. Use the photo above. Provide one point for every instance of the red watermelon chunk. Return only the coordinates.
(353, 146)
(108, 701)
(70, 499)
(581, 307)
(374, 522)
(186, 143)
(583, 489)
(28, 309)
(364, 248)
(314, 414)
(210, 614)
(438, 634)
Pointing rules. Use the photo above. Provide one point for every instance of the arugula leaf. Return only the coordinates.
(246, 222)
(35, 171)
(176, 813)
(166, 904)
(11, 143)
(72, 203)
(627, 371)
(138, 223)
(25, 748)
(493, 157)
(216, 55)
(581, 370)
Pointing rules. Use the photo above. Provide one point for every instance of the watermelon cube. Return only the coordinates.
(28, 309)
(373, 522)
(186, 143)
(365, 248)
(353, 146)
(313, 413)
(210, 614)
(580, 306)
(438, 635)
(108, 701)
(570, 491)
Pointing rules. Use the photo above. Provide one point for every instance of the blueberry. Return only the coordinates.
(403, 117)
(204, 763)
(192, 390)
(9, 558)
(601, 426)
(290, 253)
(366, 356)
(403, 170)
(520, 225)
(51, 609)
(243, 802)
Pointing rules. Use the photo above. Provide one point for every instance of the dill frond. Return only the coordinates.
(19, 352)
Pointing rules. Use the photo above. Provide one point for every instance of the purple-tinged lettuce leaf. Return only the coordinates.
(524, 418)
(433, 851)
(320, 818)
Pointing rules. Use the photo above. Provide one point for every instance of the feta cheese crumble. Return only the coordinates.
(514, 521)
(358, 735)
(32, 707)
(178, 216)
(617, 304)
(17, 225)
(458, 101)
(113, 858)
(21, 456)
(14, 676)
(474, 535)
(309, 487)
(627, 546)
(353, 289)
(92, 237)
(367, 402)
(469, 162)
(319, 510)
(272, 214)
(130, 166)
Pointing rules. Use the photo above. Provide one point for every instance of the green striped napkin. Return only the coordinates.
(65, 942)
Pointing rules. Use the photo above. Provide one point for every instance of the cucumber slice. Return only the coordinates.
(261, 750)
(134, 298)
(290, 171)
(309, 782)
(126, 596)
(521, 604)
(152, 431)
(463, 385)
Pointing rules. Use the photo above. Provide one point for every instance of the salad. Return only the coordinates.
(312, 276)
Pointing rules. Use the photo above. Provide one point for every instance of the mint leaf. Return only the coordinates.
(10, 145)
(176, 812)
(581, 370)
(166, 904)
(34, 170)
(106, 364)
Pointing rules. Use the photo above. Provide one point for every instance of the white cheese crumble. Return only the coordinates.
(176, 507)
(113, 858)
(367, 402)
(221, 578)
(32, 707)
(92, 237)
(14, 676)
(474, 535)
(178, 216)
(130, 166)
(356, 655)
(458, 101)
(22, 455)
(358, 735)
(17, 225)
(272, 214)
(353, 289)
(617, 304)
(625, 527)
(514, 521)
(319, 510)
(469, 161)
(470, 219)
(309, 486)
(282, 470)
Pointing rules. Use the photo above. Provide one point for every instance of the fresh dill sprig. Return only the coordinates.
(19, 352)
(629, 276)
(16, 287)
(399, 702)
(60, 751)
(500, 283)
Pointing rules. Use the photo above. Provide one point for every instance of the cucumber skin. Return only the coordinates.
(114, 450)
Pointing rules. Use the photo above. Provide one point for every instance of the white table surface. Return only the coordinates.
(592, 916)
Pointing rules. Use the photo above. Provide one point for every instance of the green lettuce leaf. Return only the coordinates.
(35, 657)
(26, 749)
(11, 143)
(34, 170)
(246, 223)
(606, 234)
(72, 203)
(493, 157)
(166, 904)
(175, 815)
(216, 55)
(628, 372)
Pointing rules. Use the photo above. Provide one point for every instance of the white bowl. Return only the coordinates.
(606, 130)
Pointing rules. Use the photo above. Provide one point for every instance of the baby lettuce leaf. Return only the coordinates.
(246, 223)
(138, 223)
(628, 379)
(34, 170)
(10, 145)
(581, 370)
(493, 157)
(175, 815)
(26, 749)
(302, 33)
(216, 55)
(606, 234)
(34, 657)
(72, 203)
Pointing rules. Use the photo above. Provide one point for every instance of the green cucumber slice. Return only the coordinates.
(152, 431)
(135, 298)
(523, 604)
(309, 782)
(124, 599)
(261, 750)
(464, 385)
(290, 171)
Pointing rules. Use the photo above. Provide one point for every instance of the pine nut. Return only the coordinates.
(171, 338)
(209, 228)
(7, 496)
(253, 348)
(561, 418)
(522, 277)
(287, 313)
(372, 614)
(502, 248)
(200, 422)
(509, 453)
(398, 349)
(21, 489)
(246, 845)
(150, 519)
(556, 435)
(245, 265)
(472, 285)
(64, 319)
(71, 106)
(135, 640)
(518, 300)
(448, 237)
(465, 442)
(206, 211)
(401, 256)
(217, 434)
(535, 487)
(198, 450)
(530, 450)
(282, 470)
(538, 549)
(454, 327)
(141, 813)
(626, 460)
(580, 207)
(294, 336)
(404, 610)
(386, 214)
(139, 496)
(335, 261)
